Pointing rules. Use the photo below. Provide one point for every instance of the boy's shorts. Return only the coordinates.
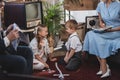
(74, 62)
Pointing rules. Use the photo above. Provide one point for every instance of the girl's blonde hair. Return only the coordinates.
(36, 32)
(72, 24)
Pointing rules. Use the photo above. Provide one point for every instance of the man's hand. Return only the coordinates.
(10, 28)
(13, 34)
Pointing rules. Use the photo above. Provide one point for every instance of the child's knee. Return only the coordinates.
(73, 66)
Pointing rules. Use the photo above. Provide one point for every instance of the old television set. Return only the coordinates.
(25, 14)
(91, 22)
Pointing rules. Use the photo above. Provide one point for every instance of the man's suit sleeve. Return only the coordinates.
(2, 46)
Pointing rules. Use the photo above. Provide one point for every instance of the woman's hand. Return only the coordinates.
(102, 25)
(113, 29)
(108, 30)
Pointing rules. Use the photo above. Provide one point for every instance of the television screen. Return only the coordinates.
(25, 14)
(33, 11)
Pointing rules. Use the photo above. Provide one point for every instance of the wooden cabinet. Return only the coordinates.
(80, 4)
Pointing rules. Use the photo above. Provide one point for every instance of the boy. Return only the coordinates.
(73, 46)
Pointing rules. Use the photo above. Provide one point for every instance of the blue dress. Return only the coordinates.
(105, 44)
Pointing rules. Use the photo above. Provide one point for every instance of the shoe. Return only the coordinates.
(108, 73)
(99, 73)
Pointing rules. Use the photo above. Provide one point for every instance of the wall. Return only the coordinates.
(80, 15)
(80, 4)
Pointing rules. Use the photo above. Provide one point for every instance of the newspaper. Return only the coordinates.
(15, 26)
(22, 37)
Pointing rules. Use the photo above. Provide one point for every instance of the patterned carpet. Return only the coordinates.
(87, 71)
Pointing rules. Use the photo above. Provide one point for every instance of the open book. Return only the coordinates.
(100, 30)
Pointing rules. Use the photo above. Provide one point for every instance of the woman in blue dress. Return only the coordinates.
(103, 44)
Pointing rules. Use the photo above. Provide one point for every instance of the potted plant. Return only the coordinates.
(53, 14)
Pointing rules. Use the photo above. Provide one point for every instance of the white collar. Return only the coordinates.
(73, 34)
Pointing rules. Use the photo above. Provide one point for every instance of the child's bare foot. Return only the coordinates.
(51, 71)
(53, 59)
(48, 71)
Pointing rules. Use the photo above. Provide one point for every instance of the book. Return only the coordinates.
(57, 48)
(101, 30)
(59, 45)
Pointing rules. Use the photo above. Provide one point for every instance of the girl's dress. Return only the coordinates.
(42, 53)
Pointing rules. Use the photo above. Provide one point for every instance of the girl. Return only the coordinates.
(39, 45)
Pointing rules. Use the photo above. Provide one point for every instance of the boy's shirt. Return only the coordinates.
(74, 43)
